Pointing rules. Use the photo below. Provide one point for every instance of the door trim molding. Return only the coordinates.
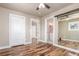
(10, 27)
(37, 21)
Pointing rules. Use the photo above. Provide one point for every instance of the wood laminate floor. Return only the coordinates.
(41, 49)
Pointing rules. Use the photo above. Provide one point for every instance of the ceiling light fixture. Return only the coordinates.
(50, 24)
(41, 5)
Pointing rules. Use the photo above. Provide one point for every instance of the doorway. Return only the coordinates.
(50, 31)
(35, 29)
(17, 35)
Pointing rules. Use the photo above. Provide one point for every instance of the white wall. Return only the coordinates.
(42, 29)
(4, 25)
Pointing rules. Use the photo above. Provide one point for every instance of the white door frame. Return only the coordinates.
(46, 35)
(10, 30)
(38, 23)
(55, 29)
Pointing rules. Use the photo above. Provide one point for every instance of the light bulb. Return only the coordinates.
(50, 24)
(41, 5)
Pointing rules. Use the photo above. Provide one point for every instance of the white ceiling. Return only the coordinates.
(30, 8)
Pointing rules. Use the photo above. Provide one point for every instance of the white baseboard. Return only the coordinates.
(42, 41)
(69, 49)
(4, 47)
(46, 42)
(50, 42)
(27, 43)
(70, 40)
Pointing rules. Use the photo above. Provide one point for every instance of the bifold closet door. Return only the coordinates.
(17, 30)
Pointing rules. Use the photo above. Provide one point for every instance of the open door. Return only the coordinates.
(35, 29)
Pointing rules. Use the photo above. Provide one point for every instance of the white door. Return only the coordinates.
(35, 29)
(17, 30)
